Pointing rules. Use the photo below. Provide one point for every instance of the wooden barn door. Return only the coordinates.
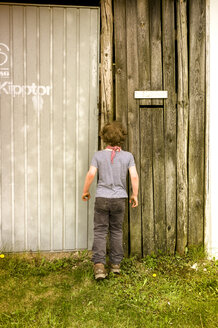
(160, 45)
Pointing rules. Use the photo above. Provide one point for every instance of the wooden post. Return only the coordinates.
(182, 132)
(106, 62)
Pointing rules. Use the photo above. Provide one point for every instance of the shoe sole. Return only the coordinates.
(100, 276)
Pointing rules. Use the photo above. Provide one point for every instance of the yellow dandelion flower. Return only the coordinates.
(154, 275)
(2, 256)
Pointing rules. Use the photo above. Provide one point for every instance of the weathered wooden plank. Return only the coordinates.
(143, 38)
(196, 121)
(145, 128)
(133, 118)
(147, 194)
(159, 179)
(207, 211)
(106, 61)
(156, 49)
(121, 113)
(182, 130)
(157, 127)
(120, 61)
(168, 30)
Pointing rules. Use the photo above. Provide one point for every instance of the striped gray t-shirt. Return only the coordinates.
(112, 176)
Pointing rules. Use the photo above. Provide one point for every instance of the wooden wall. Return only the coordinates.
(160, 45)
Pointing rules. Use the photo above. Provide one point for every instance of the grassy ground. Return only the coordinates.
(158, 291)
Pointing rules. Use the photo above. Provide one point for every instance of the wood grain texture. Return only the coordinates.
(147, 187)
(182, 132)
(156, 49)
(145, 127)
(144, 53)
(121, 112)
(168, 30)
(157, 126)
(196, 121)
(133, 118)
(159, 180)
(106, 62)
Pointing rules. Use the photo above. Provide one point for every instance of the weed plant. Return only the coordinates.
(156, 291)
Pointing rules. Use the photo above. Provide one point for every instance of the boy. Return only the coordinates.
(113, 164)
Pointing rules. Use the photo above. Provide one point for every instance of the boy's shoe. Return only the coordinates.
(115, 268)
(99, 271)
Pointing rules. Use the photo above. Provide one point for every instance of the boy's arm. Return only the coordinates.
(135, 186)
(88, 181)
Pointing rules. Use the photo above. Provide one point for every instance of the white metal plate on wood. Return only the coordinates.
(150, 94)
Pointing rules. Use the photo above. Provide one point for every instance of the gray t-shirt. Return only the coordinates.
(112, 176)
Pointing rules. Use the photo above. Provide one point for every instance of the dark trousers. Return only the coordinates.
(108, 216)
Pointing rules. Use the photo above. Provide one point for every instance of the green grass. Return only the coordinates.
(36, 291)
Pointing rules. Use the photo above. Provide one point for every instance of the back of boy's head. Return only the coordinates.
(113, 133)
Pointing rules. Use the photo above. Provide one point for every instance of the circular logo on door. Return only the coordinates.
(3, 54)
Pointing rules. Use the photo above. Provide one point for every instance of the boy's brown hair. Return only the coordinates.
(113, 134)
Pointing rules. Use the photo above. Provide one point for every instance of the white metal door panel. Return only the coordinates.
(49, 125)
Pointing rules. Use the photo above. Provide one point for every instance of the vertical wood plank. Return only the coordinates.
(156, 49)
(32, 155)
(147, 180)
(6, 165)
(157, 127)
(207, 193)
(182, 130)
(121, 87)
(58, 76)
(18, 102)
(133, 118)
(106, 62)
(196, 121)
(120, 61)
(146, 149)
(71, 80)
(45, 141)
(159, 180)
(168, 30)
(144, 47)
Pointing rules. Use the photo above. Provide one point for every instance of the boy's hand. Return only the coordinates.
(86, 196)
(134, 201)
